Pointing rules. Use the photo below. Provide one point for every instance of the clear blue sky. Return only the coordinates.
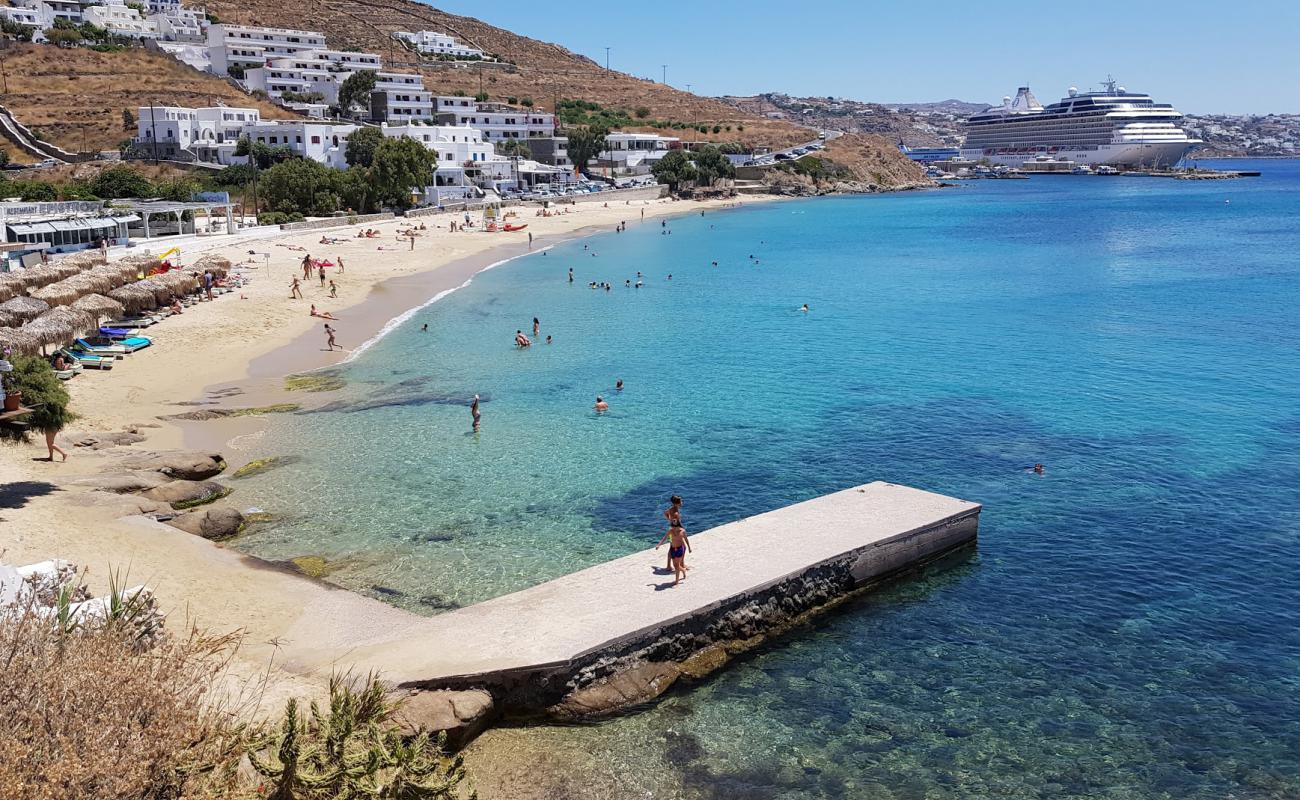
(1203, 57)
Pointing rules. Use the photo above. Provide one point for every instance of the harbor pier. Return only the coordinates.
(620, 632)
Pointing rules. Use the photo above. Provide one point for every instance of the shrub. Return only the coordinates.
(642, 112)
(42, 392)
(88, 714)
(278, 217)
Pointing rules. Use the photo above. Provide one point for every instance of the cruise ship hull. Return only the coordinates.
(1128, 155)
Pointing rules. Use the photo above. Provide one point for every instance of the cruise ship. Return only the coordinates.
(1113, 127)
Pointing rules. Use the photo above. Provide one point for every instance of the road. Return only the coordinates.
(792, 154)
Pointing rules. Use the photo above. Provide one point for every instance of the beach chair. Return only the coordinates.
(89, 361)
(131, 322)
(115, 350)
(125, 337)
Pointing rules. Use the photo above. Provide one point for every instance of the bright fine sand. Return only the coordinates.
(249, 342)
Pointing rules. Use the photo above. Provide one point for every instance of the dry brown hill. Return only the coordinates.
(540, 71)
(74, 97)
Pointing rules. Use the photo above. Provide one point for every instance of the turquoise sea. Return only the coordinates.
(1130, 624)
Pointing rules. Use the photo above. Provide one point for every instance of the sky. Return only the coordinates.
(1232, 58)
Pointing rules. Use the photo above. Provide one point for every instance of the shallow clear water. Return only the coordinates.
(1128, 627)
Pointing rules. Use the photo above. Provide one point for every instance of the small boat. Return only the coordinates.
(513, 228)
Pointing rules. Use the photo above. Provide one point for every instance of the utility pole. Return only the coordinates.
(665, 80)
(480, 78)
(607, 59)
(153, 134)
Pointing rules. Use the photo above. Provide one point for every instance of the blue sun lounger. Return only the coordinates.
(89, 361)
(126, 338)
(107, 351)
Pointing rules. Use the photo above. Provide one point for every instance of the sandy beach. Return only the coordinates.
(245, 343)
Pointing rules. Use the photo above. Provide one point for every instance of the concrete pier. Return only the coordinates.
(549, 647)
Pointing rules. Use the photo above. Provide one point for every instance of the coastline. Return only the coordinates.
(241, 347)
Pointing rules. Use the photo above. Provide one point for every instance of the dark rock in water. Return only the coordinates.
(387, 591)
(387, 400)
(411, 383)
(640, 684)
(956, 733)
(263, 464)
(438, 602)
(436, 537)
(201, 415)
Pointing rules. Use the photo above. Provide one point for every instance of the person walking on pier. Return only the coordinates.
(674, 516)
(678, 546)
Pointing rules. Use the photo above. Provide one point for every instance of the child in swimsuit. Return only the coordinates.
(679, 546)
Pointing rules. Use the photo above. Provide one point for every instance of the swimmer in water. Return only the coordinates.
(804, 308)
(474, 412)
(601, 406)
(618, 385)
(1038, 469)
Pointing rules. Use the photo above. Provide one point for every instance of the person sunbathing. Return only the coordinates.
(322, 314)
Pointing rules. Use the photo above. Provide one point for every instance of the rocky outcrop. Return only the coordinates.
(462, 714)
(105, 440)
(639, 684)
(125, 482)
(191, 465)
(217, 523)
(182, 494)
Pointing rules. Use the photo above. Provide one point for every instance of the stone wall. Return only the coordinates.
(334, 222)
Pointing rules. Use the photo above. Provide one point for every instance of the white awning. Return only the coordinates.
(64, 225)
(35, 227)
(127, 218)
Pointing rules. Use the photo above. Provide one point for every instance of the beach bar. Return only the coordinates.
(618, 633)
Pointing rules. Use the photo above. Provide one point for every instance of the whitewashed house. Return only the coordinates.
(208, 134)
(119, 19)
(438, 44)
(235, 48)
(326, 142)
(634, 153)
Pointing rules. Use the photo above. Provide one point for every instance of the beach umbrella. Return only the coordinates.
(10, 287)
(18, 342)
(91, 283)
(80, 321)
(37, 276)
(47, 330)
(25, 308)
(9, 319)
(100, 306)
(119, 272)
(135, 299)
(56, 294)
(179, 282)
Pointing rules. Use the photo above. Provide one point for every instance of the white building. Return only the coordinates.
(500, 122)
(326, 142)
(119, 19)
(634, 153)
(400, 97)
(194, 54)
(438, 44)
(181, 25)
(207, 134)
(34, 15)
(243, 46)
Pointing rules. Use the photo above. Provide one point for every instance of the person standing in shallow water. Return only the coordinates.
(537, 326)
(474, 412)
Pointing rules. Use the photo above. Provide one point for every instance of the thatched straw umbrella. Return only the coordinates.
(141, 263)
(19, 342)
(180, 282)
(162, 292)
(80, 321)
(57, 294)
(47, 330)
(10, 287)
(66, 268)
(99, 306)
(9, 319)
(219, 266)
(135, 299)
(34, 277)
(118, 272)
(91, 283)
(25, 308)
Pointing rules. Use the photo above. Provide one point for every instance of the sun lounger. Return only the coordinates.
(132, 322)
(89, 360)
(84, 346)
(125, 339)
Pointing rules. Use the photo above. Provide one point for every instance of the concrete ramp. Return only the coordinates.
(534, 647)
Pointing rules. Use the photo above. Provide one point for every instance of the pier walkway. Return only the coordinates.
(576, 627)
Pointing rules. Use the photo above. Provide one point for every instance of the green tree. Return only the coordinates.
(712, 165)
(4, 158)
(121, 181)
(265, 155)
(42, 391)
(515, 147)
(481, 97)
(179, 190)
(674, 169)
(585, 143)
(299, 185)
(354, 189)
(355, 91)
(401, 165)
(63, 37)
(361, 146)
(642, 112)
(22, 33)
(128, 120)
(35, 191)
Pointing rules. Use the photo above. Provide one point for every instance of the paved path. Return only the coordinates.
(595, 608)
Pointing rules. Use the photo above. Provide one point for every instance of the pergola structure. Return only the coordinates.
(175, 211)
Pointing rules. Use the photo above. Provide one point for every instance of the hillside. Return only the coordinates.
(74, 97)
(540, 70)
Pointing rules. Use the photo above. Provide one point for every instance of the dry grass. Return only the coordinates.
(74, 96)
(873, 159)
(85, 715)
